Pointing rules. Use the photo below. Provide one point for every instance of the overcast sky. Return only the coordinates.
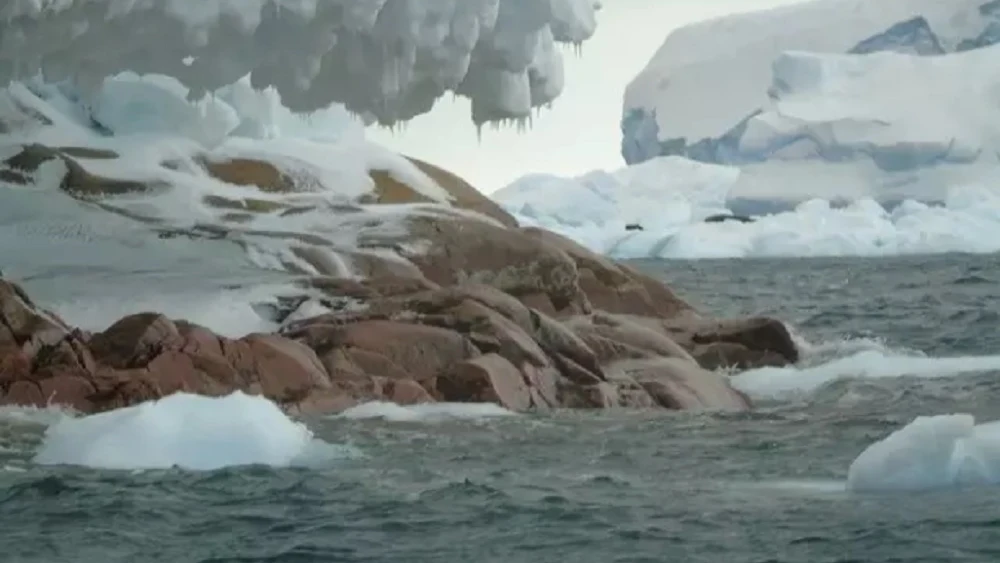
(581, 132)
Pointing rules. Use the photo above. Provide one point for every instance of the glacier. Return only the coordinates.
(387, 61)
(832, 99)
(659, 208)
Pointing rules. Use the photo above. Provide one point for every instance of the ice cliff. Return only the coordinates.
(388, 60)
(836, 99)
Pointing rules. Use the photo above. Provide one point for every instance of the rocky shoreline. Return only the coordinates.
(619, 339)
(444, 300)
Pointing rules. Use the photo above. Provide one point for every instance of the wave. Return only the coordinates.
(432, 412)
(826, 363)
(187, 431)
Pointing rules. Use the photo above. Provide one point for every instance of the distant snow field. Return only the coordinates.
(846, 127)
(670, 198)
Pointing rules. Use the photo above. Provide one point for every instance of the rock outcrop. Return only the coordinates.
(467, 342)
(450, 301)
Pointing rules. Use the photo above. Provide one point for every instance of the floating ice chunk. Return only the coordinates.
(930, 453)
(188, 431)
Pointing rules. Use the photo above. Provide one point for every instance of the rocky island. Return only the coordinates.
(460, 305)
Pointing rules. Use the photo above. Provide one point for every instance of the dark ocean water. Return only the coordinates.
(580, 486)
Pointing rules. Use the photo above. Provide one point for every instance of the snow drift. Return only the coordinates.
(179, 240)
(388, 60)
(839, 99)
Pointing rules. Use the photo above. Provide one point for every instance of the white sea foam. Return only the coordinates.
(431, 412)
(33, 416)
(187, 431)
(793, 381)
(930, 453)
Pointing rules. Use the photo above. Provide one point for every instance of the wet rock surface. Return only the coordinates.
(466, 342)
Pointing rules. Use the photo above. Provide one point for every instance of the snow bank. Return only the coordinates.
(432, 412)
(145, 131)
(776, 93)
(930, 453)
(188, 431)
(388, 60)
(670, 197)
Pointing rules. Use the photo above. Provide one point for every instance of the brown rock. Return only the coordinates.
(73, 391)
(286, 370)
(756, 334)
(492, 332)
(721, 355)
(23, 393)
(265, 176)
(422, 351)
(25, 323)
(460, 249)
(135, 340)
(327, 401)
(14, 363)
(653, 338)
(70, 352)
(486, 379)
(613, 287)
(601, 395)
(543, 383)
(345, 364)
(404, 391)
(392, 190)
(678, 384)
(78, 181)
(464, 194)
(569, 351)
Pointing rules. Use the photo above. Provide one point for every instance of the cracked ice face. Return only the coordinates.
(389, 60)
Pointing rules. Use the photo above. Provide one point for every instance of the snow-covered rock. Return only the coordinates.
(389, 61)
(839, 99)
